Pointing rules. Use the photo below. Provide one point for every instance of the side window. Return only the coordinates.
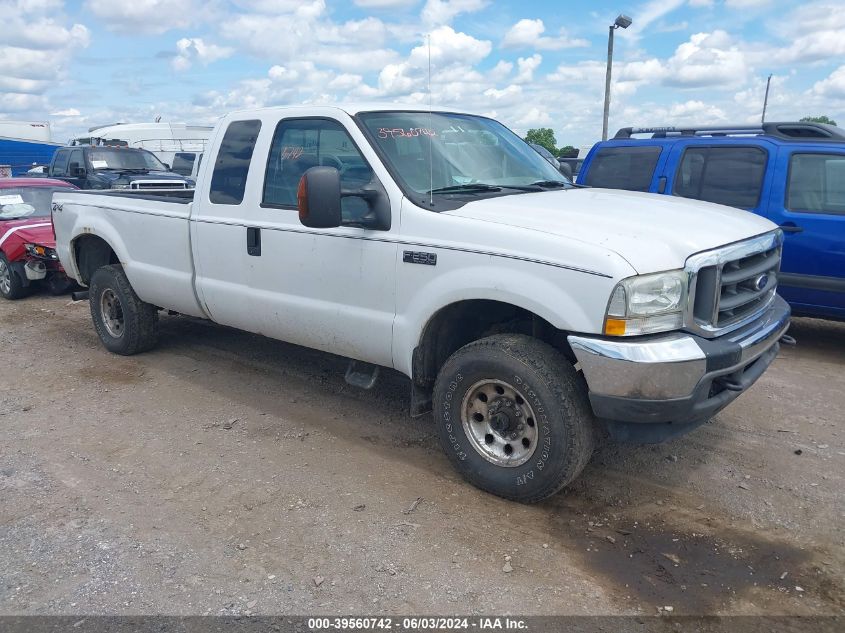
(816, 183)
(300, 144)
(228, 181)
(76, 160)
(630, 168)
(183, 163)
(724, 175)
(60, 164)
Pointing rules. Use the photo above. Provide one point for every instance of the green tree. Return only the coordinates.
(568, 151)
(819, 119)
(544, 136)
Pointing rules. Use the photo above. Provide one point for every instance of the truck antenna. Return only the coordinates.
(430, 130)
(766, 99)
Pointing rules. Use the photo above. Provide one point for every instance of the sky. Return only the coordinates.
(528, 63)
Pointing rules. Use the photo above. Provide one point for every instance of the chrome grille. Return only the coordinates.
(731, 285)
(158, 184)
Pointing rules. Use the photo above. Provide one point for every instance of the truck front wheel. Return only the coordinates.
(125, 324)
(513, 417)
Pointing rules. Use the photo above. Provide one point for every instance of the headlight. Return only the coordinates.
(647, 303)
(42, 252)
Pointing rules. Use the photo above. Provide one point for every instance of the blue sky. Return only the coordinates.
(530, 64)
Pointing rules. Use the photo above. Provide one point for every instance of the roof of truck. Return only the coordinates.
(355, 108)
(788, 131)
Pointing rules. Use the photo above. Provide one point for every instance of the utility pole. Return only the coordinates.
(622, 21)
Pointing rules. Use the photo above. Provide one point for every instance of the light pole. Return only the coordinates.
(622, 21)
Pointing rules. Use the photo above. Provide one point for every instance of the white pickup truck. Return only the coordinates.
(527, 312)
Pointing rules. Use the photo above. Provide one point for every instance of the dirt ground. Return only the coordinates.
(224, 473)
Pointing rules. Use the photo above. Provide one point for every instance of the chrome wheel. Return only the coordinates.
(112, 313)
(5, 278)
(499, 423)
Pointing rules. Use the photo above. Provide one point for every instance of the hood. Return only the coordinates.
(24, 231)
(652, 232)
(119, 175)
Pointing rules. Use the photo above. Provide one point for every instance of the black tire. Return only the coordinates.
(556, 396)
(129, 326)
(11, 285)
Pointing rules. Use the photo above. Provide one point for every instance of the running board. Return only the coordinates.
(361, 374)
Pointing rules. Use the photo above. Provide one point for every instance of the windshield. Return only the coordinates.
(107, 158)
(444, 152)
(25, 202)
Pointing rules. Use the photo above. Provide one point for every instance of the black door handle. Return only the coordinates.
(253, 241)
(661, 184)
(790, 228)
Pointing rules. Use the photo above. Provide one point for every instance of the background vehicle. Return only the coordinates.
(574, 164)
(91, 167)
(790, 173)
(24, 143)
(27, 245)
(438, 243)
(178, 145)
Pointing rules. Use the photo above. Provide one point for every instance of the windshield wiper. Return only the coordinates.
(551, 184)
(468, 187)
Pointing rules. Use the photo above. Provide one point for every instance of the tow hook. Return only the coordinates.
(788, 340)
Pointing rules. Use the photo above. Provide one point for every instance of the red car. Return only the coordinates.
(27, 245)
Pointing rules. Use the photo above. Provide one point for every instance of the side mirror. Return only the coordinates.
(76, 171)
(168, 166)
(566, 170)
(318, 198)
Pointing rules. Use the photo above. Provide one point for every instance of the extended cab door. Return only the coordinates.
(219, 230)
(330, 289)
(808, 202)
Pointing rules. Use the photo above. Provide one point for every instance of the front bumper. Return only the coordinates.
(653, 388)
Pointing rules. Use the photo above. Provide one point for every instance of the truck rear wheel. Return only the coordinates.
(125, 324)
(513, 417)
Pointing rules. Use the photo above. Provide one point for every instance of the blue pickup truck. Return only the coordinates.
(791, 173)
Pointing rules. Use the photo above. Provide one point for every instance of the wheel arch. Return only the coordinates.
(91, 251)
(461, 322)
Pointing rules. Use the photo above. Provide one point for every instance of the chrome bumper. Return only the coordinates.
(677, 377)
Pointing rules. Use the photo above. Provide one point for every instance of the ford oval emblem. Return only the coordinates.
(761, 282)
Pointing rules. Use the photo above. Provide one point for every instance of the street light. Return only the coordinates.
(621, 22)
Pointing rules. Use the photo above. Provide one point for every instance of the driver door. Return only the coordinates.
(330, 289)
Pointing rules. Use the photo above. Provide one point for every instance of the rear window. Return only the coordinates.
(816, 183)
(630, 168)
(725, 175)
(183, 163)
(228, 182)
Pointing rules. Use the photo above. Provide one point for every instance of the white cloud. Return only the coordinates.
(191, 49)
(832, 86)
(66, 112)
(436, 12)
(527, 66)
(145, 16)
(529, 34)
(385, 4)
(707, 59)
(35, 52)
